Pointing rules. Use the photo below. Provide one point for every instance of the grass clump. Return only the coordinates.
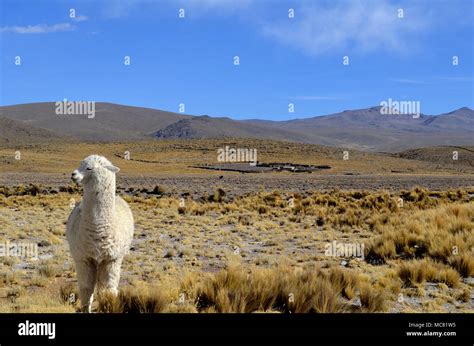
(276, 289)
(418, 272)
(133, 301)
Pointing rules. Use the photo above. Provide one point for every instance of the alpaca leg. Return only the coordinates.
(86, 278)
(108, 276)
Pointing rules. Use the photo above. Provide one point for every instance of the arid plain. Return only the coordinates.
(375, 232)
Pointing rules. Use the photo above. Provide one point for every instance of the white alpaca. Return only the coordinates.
(99, 229)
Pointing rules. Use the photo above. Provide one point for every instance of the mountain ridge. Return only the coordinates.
(362, 129)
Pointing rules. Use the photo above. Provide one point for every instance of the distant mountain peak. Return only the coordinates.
(462, 110)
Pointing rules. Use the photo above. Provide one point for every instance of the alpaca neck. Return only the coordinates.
(99, 203)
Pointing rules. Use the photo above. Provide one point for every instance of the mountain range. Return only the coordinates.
(362, 129)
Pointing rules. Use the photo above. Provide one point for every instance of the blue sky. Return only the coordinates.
(282, 60)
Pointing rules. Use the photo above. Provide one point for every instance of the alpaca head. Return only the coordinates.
(94, 169)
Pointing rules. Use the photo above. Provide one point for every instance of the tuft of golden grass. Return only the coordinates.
(372, 300)
(49, 270)
(281, 289)
(416, 272)
(444, 234)
(346, 282)
(132, 301)
(464, 264)
(464, 296)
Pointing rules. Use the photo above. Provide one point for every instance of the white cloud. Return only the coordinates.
(123, 8)
(408, 81)
(80, 18)
(364, 26)
(118, 9)
(38, 29)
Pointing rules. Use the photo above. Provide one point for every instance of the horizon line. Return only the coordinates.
(224, 116)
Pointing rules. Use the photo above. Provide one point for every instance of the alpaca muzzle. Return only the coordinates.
(76, 177)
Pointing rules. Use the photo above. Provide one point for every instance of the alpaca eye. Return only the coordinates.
(89, 169)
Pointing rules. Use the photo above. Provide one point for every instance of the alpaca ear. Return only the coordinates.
(113, 169)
